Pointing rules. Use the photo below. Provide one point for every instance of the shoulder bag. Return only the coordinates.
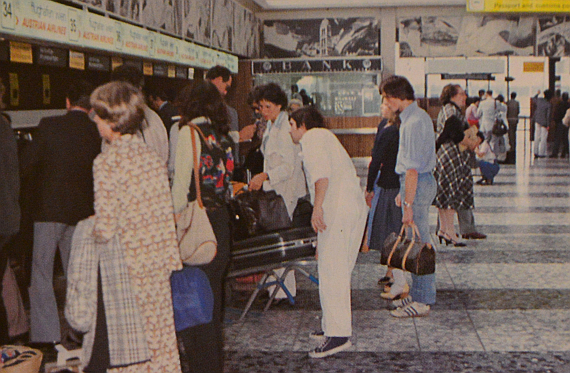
(408, 254)
(196, 238)
(499, 127)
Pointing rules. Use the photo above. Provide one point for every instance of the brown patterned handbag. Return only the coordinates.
(408, 254)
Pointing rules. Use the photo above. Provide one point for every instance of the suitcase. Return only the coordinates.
(271, 250)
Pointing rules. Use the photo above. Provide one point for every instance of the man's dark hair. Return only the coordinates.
(501, 98)
(79, 92)
(565, 96)
(397, 87)
(272, 92)
(558, 93)
(481, 136)
(513, 95)
(481, 92)
(218, 71)
(129, 74)
(490, 93)
(548, 94)
(309, 116)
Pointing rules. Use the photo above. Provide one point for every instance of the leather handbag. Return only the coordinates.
(196, 239)
(408, 254)
(192, 298)
(257, 212)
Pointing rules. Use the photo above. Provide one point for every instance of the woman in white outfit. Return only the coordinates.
(282, 168)
(339, 218)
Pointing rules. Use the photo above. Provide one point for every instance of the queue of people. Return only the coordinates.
(132, 179)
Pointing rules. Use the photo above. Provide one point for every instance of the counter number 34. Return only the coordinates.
(8, 17)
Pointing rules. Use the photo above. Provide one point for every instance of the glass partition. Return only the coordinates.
(335, 94)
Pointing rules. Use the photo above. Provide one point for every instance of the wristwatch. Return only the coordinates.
(407, 204)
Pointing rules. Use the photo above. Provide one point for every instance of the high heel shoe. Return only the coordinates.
(448, 240)
(388, 295)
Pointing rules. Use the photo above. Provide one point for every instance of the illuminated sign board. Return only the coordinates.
(518, 6)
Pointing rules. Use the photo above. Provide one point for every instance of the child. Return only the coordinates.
(487, 162)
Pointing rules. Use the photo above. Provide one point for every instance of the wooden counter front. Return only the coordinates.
(357, 145)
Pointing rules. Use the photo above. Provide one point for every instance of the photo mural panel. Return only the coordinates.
(246, 32)
(222, 24)
(163, 14)
(553, 37)
(321, 37)
(196, 20)
(130, 9)
(469, 36)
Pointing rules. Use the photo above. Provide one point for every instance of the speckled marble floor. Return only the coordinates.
(503, 303)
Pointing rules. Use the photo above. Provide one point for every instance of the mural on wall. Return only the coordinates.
(222, 24)
(321, 37)
(553, 37)
(246, 32)
(196, 20)
(163, 14)
(466, 36)
(130, 9)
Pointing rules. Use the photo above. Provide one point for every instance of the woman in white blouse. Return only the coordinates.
(282, 167)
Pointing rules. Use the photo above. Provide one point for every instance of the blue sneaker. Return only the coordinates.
(331, 346)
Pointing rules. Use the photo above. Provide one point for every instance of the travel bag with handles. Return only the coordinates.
(410, 255)
(196, 239)
(258, 212)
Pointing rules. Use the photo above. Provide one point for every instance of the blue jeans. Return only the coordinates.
(423, 287)
(489, 170)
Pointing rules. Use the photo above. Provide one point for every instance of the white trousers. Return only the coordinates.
(540, 136)
(338, 248)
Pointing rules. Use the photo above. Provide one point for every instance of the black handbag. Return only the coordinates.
(408, 254)
(258, 212)
(499, 128)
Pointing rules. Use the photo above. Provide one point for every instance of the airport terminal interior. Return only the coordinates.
(503, 303)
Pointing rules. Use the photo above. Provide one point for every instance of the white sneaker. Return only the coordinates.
(400, 303)
(413, 309)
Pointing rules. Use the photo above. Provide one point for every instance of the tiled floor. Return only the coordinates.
(503, 303)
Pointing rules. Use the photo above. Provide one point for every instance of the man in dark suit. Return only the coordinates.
(61, 158)
(9, 206)
(158, 101)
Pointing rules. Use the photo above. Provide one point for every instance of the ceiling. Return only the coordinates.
(320, 4)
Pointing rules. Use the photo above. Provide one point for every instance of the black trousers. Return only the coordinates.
(202, 346)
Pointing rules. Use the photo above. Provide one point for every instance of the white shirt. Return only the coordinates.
(154, 134)
(325, 157)
(486, 113)
(488, 155)
(282, 162)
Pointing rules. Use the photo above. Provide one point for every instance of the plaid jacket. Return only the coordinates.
(454, 179)
(127, 341)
